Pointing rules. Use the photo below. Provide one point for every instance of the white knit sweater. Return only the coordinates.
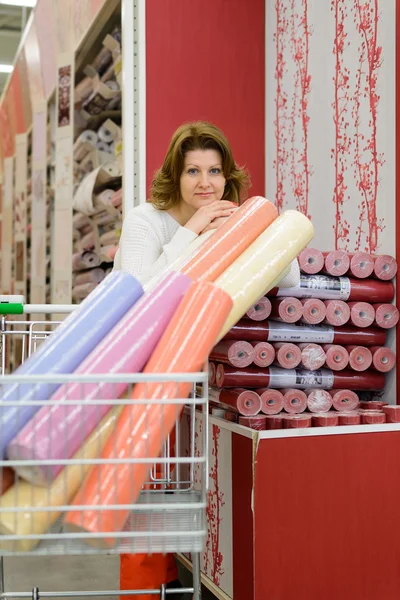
(151, 240)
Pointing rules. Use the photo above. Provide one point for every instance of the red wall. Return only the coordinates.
(205, 60)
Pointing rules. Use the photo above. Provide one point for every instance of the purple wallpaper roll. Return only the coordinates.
(58, 431)
(66, 348)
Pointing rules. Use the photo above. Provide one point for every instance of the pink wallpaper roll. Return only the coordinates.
(58, 431)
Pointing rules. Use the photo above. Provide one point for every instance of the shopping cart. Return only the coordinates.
(168, 517)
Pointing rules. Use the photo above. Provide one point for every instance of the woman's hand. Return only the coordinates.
(205, 216)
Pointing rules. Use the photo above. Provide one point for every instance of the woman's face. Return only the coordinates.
(202, 180)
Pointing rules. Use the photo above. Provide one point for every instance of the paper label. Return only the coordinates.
(323, 287)
(300, 332)
(300, 379)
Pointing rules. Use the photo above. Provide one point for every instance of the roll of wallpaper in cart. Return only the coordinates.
(318, 400)
(392, 413)
(337, 312)
(65, 349)
(264, 354)
(360, 357)
(361, 265)
(312, 356)
(294, 401)
(230, 240)
(85, 260)
(273, 331)
(372, 417)
(271, 401)
(24, 495)
(287, 355)
(274, 421)
(260, 310)
(372, 405)
(288, 310)
(244, 402)
(344, 400)
(314, 311)
(337, 262)
(336, 356)
(386, 315)
(278, 378)
(237, 354)
(59, 430)
(327, 287)
(383, 358)
(311, 261)
(7, 477)
(260, 266)
(183, 348)
(362, 314)
(385, 267)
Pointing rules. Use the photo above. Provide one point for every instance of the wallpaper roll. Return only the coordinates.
(329, 419)
(85, 260)
(337, 312)
(238, 354)
(93, 276)
(362, 314)
(264, 354)
(386, 315)
(258, 423)
(294, 400)
(318, 400)
(360, 357)
(312, 356)
(25, 495)
(337, 262)
(383, 358)
(297, 421)
(344, 400)
(336, 356)
(244, 402)
(288, 310)
(65, 349)
(361, 265)
(230, 240)
(385, 267)
(59, 430)
(314, 311)
(260, 310)
(259, 267)
(271, 401)
(311, 260)
(287, 355)
(349, 418)
(143, 428)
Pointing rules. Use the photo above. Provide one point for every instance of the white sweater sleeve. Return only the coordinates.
(141, 253)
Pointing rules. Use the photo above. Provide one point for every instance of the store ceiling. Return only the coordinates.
(12, 23)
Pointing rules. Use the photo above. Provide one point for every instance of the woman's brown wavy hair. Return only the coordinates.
(200, 135)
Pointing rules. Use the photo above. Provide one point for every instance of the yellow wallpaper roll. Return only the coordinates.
(261, 266)
(25, 495)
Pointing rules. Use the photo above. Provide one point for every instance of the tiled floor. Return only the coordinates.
(75, 573)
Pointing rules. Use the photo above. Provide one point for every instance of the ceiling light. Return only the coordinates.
(29, 3)
(6, 68)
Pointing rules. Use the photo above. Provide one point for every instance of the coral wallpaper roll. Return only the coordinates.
(143, 428)
(257, 269)
(231, 239)
(58, 431)
(67, 347)
(25, 495)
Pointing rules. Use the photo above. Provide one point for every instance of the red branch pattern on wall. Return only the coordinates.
(367, 160)
(341, 105)
(281, 104)
(215, 502)
(299, 45)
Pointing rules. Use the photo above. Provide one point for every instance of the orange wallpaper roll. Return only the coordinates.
(142, 429)
(229, 241)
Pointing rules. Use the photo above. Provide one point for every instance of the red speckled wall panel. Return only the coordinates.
(205, 60)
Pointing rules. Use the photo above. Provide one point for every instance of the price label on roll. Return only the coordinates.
(300, 332)
(319, 286)
(300, 379)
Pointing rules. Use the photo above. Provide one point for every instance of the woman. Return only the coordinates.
(197, 188)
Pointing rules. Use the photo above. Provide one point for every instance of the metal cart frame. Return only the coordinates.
(170, 516)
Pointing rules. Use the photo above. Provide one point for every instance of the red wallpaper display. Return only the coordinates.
(205, 60)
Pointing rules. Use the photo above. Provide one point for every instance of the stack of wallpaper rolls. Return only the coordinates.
(169, 327)
(96, 239)
(314, 355)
